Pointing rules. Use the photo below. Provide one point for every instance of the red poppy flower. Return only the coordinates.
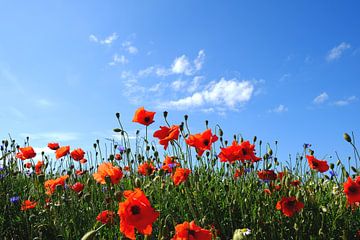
(79, 172)
(106, 217)
(143, 117)
(27, 204)
(168, 164)
(26, 153)
(38, 167)
(202, 141)
(28, 165)
(166, 134)
(267, 191)
(267, 175)
(61, 152)
(106, 169)
(77, 154)
(118, 156)
(238, 173)
(83, 161)
(190, 231)
(180, 175)
(295, 183)
(319, 165)
(77, 187)
(289, 206)
(352, 191)
(280, 175)
(136, 213)
(238, 152)
(146, 169)
(127, 168)
(50, 185)
(53, 146)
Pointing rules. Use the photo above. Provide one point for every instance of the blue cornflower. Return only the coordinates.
(121, 149)
(14, 199)
(332, 173)
(307, 145)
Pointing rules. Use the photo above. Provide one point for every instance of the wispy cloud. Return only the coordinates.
(227, 93)
(284, 77)
(52, 136)
(346, 101)
(279, 109)
(106, 41)
(129, 47)
(16, 112)
(118, 59)
(337, 51)
(321, 98)
(10, 81)
(44, 103)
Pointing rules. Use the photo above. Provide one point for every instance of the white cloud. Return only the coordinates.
(181, 65)
(337, 51)
(279, 109)
(195, 83)
(109, 40)
(44, 103)
(93, 38)
(346, 101)
(321, 98)
(52, 136)
(228, 93)
(178, 85)
(284, 77)
(106, 41)
(129, 47)
(199, 60)
(118, 59)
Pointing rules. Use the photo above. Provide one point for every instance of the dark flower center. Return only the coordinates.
(244, 151)
(147, 119)
(206, 142)
(135, 210)
(192, 233)
(353, 189)
(291, 204)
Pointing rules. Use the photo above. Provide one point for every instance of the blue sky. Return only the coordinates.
(286, 71)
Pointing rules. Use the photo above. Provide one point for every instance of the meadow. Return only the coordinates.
(176, 184)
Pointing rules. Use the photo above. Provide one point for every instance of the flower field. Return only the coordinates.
(176, 184)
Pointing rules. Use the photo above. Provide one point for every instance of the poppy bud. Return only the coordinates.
(6, 143)
(181, 126)
(270, 151)
(206, 123)
(94, 145)
(332, 166)
(117, 130)
(347, 137)
(97, 141)
(255, 138)
(117, 115)
(165, 114)
(186, 117)
(118, 195)
(137, 182)
(311, 152)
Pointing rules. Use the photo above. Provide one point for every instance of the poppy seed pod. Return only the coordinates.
(165, 114)
(347, 137)
(117, 115)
